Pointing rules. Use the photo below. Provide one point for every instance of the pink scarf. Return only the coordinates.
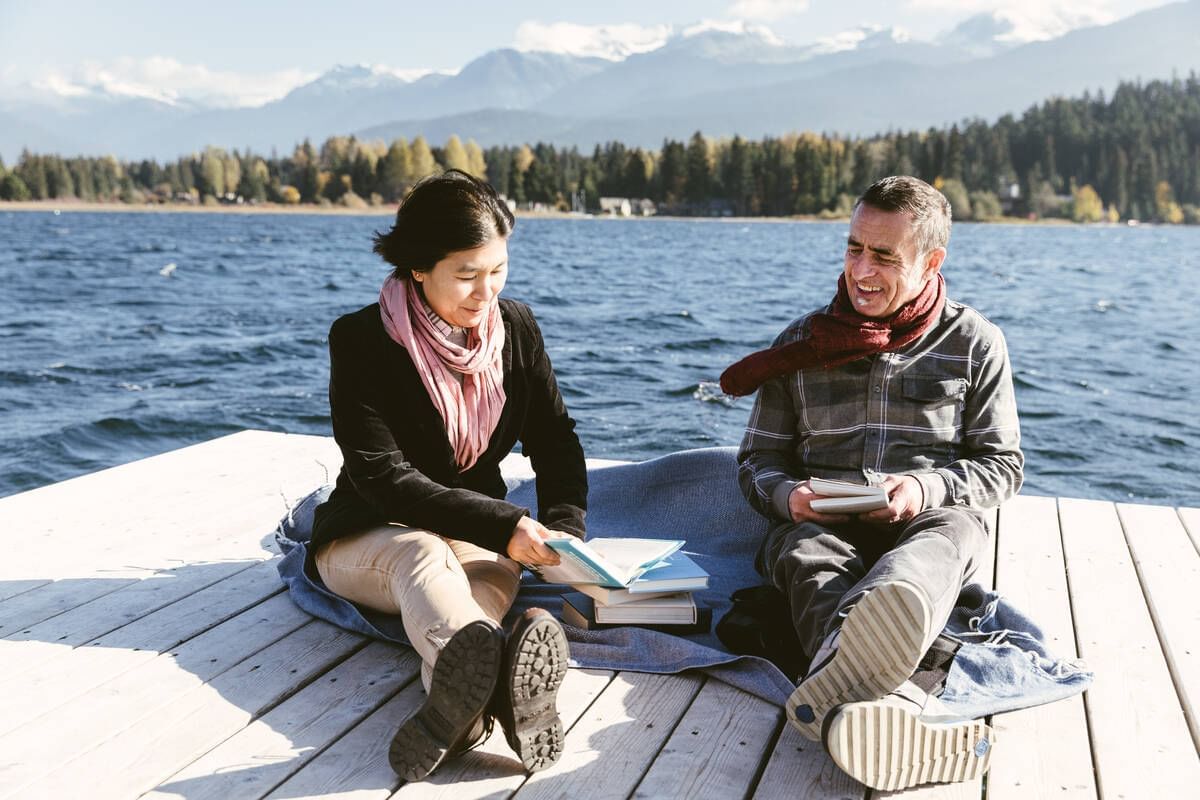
(470, 411)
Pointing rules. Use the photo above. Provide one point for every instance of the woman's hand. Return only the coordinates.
(527, 544)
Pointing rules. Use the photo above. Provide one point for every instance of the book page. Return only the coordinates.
(630, 555)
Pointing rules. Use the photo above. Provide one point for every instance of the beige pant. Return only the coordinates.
(437, 585)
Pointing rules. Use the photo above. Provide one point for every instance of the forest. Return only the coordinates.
(1131, 155)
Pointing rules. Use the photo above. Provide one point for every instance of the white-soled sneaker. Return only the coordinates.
(905, 739)
(881, 643)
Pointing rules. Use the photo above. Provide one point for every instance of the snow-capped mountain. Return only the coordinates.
(720, 81)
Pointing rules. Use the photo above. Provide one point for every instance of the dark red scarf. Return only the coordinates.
(838, 337)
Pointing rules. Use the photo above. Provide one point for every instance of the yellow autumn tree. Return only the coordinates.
(455, 154)
(1086, 205)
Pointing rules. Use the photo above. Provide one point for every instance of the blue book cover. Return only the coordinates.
(676, 573)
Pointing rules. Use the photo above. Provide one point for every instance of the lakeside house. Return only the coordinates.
(627, 207)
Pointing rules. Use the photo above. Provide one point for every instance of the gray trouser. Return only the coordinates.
(824, 570)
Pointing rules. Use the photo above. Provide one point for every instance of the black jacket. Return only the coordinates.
(397, 462)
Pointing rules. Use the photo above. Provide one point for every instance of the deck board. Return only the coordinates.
(270, 749)
(162, 642)
(716, 749)
(1140, 741)
(73, 672)
(1042, 751)
(1168, 567)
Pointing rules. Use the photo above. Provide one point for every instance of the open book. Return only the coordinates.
(843, 497)
(675, 573)
(614, 562)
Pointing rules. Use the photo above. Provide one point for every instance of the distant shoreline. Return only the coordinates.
(390, 210)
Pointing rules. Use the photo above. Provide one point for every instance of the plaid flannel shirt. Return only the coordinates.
(941, 409)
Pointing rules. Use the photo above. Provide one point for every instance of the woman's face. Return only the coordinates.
(462, 286)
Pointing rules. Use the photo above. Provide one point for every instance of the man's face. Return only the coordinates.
(883, 269)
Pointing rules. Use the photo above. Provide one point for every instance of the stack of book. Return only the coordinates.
(643, 582)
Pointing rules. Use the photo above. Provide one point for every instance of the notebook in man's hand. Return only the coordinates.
(844, 497)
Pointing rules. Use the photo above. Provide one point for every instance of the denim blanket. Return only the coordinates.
(1001, 665)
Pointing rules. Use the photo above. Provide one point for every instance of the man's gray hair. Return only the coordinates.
(929, 208)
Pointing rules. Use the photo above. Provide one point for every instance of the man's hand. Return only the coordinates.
(905, 499)
(798, 504)
(527, 544)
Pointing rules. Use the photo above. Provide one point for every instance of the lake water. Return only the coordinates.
(104, 359)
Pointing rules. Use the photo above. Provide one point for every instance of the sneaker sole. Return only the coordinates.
(881, 645)
(539, 664)
(888, 747)
(462, 683)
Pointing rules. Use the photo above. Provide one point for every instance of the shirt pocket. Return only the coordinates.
(934, 405)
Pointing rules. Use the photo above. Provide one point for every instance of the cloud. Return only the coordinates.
(767, 9)
(1031, 20)
(169, 81)
(613, 42)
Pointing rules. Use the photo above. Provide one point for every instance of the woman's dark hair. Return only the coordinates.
(441, 215)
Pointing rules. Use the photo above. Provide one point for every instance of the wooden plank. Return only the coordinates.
(1191, 520)
(492, 770)
(57, 597)
(160, 744)
(39, 747)
(10, 589)
(77, 671)
(797, 767)
(1169, 568)
(1140, 741)
(356, 765)
(158, 504)
(615, 741)
(1044, 751)
(53, 637)
(263, 754)
(717, 748)
(183, 568)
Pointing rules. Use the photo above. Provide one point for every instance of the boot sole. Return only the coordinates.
(881, 644)
(538, 664)
(888, 747)
(462, 683)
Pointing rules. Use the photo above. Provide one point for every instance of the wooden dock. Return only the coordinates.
(147, 649)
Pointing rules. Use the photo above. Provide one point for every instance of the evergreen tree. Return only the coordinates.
(32, 173)
(738, 178)
(672, 171)
(639, 167)
(698, 170)
(13, 188)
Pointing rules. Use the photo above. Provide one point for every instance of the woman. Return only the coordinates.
(429, 389)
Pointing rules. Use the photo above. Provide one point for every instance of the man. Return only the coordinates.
(891, 385)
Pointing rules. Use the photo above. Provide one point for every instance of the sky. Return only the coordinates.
(247, 52)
